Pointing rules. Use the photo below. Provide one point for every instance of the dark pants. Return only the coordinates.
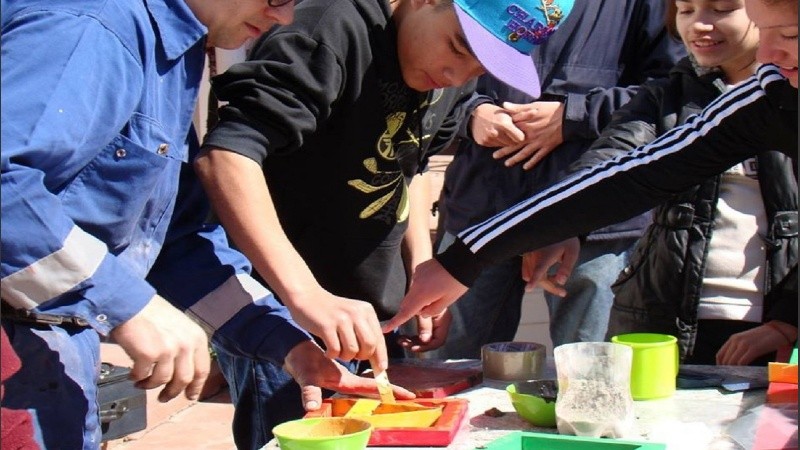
(712, 334)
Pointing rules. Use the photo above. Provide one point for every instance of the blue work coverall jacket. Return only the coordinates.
(100, 206)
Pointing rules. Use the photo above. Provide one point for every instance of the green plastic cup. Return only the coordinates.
(654, 368)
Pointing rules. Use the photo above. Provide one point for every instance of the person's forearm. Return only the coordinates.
(237, 189)
(788, 331)
(417, 245)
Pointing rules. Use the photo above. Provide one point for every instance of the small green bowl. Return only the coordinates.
(535, 401)
(323, 433)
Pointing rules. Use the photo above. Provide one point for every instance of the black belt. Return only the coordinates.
(27, 316)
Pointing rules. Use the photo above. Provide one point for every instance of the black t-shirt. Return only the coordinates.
(322, 106)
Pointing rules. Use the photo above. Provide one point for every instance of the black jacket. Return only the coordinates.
(594, 64)
(321, 104)
(659, 290)
(759, 113)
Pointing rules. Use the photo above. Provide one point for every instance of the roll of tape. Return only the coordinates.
(513, 361)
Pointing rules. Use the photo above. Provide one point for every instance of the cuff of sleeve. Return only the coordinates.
(272, 345)
(277, 333)
(460, 262)
(276, 349)
(574, 115)
(784, 311)
(239, 138)
(465, 129)
(116, 296)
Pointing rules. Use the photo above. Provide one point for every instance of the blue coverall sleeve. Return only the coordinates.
(199, 272)
(55, 119)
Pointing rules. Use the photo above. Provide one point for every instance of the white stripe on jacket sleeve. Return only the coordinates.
(478, 236)
(56, 273)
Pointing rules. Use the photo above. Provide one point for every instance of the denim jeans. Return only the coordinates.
(264, 395)
(57, 383)
(582, 315)
(488, 312)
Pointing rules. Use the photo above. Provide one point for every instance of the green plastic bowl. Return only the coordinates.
(535, 401)
(323, 433)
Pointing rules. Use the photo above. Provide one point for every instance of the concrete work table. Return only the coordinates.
(705, 418)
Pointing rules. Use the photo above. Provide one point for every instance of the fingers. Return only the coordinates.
(407, 311)
(371, 338)
(732, 356)
(333, 348)
(424, 328)
(197, 377)
(402, 393)
(163, 373)
(721, 356)
(534, 269)
(432, 290)
(521, 112)
(434, 309)
(380, 358)
(502, 152)
(491, 126)
(142, 367)
(311, 397)
(500, 134)
(535, 159)
(549, 285)
(513, 135)
(167, 348)
(437, 336)
(441, 326)
(350, 331)
(568, 261)
(349, 343)
(735, 352)
(186, 371)
(523, 154)
(182, 376)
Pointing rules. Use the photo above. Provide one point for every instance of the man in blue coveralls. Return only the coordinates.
(104, 230)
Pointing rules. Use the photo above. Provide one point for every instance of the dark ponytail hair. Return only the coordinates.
(669, 19)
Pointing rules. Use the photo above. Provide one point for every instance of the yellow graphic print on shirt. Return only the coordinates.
(395, 181)
(385, 181)
(389, 183)
(385, 144)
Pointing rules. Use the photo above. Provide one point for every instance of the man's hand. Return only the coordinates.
(536, 266)
(312, 371)
(491, 126)
(742, 348)
(432, 290)
(241, 199)
(349, 328)
(431, 333)
(541, 122)
(166, 347)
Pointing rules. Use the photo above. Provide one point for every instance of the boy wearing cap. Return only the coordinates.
(518, 145)
(310, 167)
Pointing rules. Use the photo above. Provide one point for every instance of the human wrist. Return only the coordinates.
(786, 330)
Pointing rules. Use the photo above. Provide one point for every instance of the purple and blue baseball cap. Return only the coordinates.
(503, 34)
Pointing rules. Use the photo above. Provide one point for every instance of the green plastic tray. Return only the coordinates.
(542, 441)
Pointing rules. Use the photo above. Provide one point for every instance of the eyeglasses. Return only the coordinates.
(278, 3)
